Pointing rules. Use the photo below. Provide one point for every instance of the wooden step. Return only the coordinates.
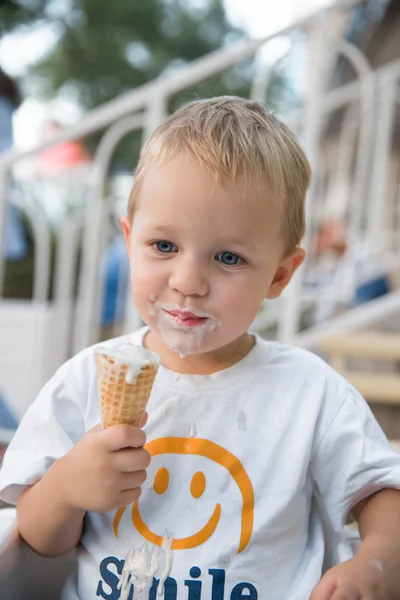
(376, 386)
(374, 344)
(395, 444)
(379, 388)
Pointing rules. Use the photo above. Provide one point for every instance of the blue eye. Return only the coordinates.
(165, 247)
(229, 259)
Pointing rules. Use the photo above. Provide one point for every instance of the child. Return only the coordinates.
(241, 432)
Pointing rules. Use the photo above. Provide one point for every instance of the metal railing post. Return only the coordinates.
(386, 105)
(88, 309)
(289, 321)
(3, 207)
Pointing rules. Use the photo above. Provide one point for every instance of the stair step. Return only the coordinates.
(395, 444)
(375, 386)
(379, 388)
(374, 344)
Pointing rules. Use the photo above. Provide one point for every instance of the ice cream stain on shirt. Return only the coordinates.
(224, 486)
(224, 561)
(142, 565)
(242, 424)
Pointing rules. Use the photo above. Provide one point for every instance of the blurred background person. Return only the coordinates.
(59, 160)
(10, 99)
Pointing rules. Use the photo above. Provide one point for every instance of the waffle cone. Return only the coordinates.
(122, 402)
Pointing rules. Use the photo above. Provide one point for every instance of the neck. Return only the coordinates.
(199, 364)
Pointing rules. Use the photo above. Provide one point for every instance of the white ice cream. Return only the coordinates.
(142, 565)
(136, 357)
(166, 546)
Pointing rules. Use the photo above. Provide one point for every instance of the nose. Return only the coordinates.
(189, 277)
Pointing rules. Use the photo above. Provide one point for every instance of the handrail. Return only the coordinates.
(184, 76)
(146, 108)
(137, 99)
(358, 318)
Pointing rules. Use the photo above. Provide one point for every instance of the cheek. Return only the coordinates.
(144, 276)
(240, 298)
(244, 307)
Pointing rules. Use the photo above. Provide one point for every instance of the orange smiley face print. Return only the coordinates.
(197, 485)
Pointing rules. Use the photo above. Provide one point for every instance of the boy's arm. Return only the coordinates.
(379, 524)
(102, 472)
(45, 521)
(374, 572)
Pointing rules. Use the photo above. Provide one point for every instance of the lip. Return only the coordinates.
(187, 318)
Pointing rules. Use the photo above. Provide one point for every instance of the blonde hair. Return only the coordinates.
(236, 138)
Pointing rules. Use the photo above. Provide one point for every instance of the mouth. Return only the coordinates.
(186, 318)
(179, 543)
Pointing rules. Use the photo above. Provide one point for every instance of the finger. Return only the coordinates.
(129, 460)
(131, 481)
(129, 496)
(325, 589)
(124, 436)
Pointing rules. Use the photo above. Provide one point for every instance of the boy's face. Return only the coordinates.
(212, 249)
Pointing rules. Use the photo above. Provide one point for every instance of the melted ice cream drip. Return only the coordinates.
(141, 566)
(166, 545)
(136, 357)
(139, 569)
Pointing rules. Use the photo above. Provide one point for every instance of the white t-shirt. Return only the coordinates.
(235, 459)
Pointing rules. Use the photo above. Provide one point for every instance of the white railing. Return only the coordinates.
(362, 157)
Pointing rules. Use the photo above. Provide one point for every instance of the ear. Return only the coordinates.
(126, 230)
(285, 272)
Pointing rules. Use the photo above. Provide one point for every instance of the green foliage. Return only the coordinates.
(106, 48)
(14, 13)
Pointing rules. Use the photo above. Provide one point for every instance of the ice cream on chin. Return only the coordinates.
(125, 376)
(184, 330)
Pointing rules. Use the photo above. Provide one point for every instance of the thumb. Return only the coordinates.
(144, 419)
(325, 589)
(99, 426)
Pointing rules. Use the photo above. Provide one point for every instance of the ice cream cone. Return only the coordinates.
(124, 384)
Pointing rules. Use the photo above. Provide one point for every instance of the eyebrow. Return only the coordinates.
(240, 243)
(164, 228)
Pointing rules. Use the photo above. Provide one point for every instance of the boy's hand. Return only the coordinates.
(359, 578)
(105, 469)
(374, 572)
